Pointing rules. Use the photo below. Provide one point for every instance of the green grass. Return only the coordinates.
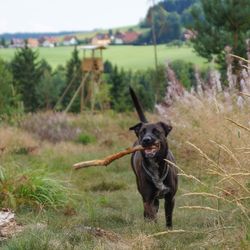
(127, 57)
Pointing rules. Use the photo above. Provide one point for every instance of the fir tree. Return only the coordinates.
(73, 77)
(221, 23)
(26, 75)
(7, 98)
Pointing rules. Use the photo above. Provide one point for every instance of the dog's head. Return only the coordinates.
(152, 136)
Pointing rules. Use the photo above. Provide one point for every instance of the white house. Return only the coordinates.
(70, 41)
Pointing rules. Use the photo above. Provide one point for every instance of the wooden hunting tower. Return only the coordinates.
(93, 62)
(92, 68)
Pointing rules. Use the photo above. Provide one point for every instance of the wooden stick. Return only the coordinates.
(107, 160)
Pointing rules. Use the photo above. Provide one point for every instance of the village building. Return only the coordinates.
(130, 37)
(70, 41)
(17, 43)
(101, 40)
(48, 42)
(117, 39)
(32, 43)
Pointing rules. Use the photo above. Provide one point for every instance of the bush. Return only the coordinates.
(54, 127)
(85, 139)
(31, 189)
(184, 72)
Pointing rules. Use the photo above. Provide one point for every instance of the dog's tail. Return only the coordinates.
(137, 105)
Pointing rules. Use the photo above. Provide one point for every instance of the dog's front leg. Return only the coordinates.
(169, 207)
(150, 210)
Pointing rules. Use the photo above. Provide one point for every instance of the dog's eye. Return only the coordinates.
(156, 132)
(143, 132)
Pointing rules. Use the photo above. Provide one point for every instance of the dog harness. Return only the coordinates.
(158, 182)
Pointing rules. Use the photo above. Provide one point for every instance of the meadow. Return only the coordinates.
(127, 57)
(99, 207)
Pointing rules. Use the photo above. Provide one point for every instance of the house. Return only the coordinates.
(48, 42)
(118, 39)
(70, 41)
(130, 37)
(101, 39)
(17, 43)
(32, 43)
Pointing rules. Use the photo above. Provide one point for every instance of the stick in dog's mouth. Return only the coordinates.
(153, 149)
(150, 151)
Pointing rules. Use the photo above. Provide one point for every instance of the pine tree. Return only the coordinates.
(73, 77)
(26, 75)
(3, 42)
(7, 99)
(221, 23)
(50, 86)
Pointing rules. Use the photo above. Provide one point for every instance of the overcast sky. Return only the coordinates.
(68, 15)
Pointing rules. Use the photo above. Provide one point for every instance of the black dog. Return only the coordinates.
(155, 177)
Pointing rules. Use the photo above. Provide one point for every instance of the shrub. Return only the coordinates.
(85, 139)
(54, 127)
(31, 189)
(184, 72)
(15, 140)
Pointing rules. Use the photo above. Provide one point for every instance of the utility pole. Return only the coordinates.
(153, 34)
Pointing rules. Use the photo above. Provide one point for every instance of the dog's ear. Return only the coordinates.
(166, 127)
(136, 128)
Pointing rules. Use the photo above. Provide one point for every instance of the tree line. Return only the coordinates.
(219, 26)
(29, 84)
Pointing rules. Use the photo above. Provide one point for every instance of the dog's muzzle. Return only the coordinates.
(151, 147)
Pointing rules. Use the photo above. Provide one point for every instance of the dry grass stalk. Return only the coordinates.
(241, 58)
(199, 207)
(246, 94)
(228, 151)
(207, 195)
(236, 200)
(192, 177)
(183, 173)
(238, 124)
(189, 231)
(169, 232)
(243, 209)
(229, 176)
(206, 157)
(216, 165)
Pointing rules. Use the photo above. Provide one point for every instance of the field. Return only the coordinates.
(127, 57)
(99, 207)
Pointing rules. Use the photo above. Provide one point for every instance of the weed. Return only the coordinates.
(85, 139)
(31, 189)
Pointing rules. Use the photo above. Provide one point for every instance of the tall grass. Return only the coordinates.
(212, 146)
(32, 189)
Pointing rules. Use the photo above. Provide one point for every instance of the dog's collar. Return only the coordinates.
(158, 182)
